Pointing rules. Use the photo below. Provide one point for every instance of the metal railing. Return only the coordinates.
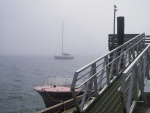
(147, 39)
(134, 79)
(112, 40)
(99, 74)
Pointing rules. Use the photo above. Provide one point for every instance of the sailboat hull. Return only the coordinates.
(63, 57)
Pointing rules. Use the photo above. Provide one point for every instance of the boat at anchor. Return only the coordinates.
(63, 55)
(56, 90)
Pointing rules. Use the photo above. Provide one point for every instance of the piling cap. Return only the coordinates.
(120, 17)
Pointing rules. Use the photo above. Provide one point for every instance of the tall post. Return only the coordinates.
(112, 54)
(120, 30)
(120, 39)
(115, 9)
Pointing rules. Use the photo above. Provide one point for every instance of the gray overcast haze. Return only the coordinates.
(34, 27)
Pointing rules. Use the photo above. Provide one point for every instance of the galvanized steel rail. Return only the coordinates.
(100, 74)
(134, 79)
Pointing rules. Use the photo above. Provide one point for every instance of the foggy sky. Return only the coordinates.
(34, 27)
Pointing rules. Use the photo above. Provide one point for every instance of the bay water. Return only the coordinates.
(19, 74)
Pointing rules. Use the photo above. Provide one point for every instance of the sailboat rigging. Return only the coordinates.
(63, 55)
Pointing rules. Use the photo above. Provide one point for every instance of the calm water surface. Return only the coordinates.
(18, 76)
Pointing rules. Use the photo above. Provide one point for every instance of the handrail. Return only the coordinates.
(137, 73)
(138, 36)
(99, 74)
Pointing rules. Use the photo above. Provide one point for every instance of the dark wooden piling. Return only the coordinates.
(120, 30)
(120, 36)
(120, 41)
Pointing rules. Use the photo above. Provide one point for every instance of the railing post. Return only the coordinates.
(143, 40)
(141, 85)
(132, 52)
(137, 48)
(129, 54)
(130, 90)
(95, 79)
(136, 83)
(107, 69)
(89, 85)
(105, 62)
(74, 93)
(121, 62)
(145, 66)
(122, 90)
(143, 69)
(148, 67)
(113, 65)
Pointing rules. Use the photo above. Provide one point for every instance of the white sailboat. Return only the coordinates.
(63, 55)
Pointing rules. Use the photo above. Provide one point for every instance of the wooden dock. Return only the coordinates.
(117, 79)
(67, 106)
(140, 107)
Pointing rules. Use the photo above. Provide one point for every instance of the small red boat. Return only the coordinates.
(55, 90)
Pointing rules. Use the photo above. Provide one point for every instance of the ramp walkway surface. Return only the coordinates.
(109, 102)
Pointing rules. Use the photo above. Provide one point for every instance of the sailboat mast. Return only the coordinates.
(62, 35)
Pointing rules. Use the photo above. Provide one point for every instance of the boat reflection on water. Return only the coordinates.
(55, 90)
